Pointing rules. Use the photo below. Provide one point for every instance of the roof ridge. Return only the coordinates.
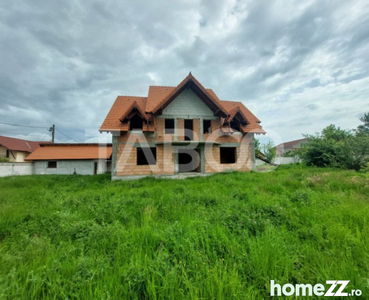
(232, 101)
(169, 86)
(293, 141)
(132, 96)
(10, 137)
(181, 85)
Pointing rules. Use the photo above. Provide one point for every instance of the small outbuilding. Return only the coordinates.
(82, 159)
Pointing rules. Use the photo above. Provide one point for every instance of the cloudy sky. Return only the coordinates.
(298, 65)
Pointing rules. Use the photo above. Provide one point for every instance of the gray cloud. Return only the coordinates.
(297, 65)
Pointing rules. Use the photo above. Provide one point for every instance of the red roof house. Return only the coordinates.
(15, 150)
(289, 146)
(180, 129)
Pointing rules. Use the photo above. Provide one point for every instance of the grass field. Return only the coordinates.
(219, 237)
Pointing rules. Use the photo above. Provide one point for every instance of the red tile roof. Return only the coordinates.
(71, 151)
(14, 144)
(121, 106)
(135, 106)
(291, 145)
(160, 96)
(156, 95)
(233, 105)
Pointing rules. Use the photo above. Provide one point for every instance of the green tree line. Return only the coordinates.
(335, 147)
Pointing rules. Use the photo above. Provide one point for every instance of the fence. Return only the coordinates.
(9, 169)
(286, 160)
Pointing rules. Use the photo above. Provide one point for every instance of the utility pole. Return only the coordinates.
(52, 129)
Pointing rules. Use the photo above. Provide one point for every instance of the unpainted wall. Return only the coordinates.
(10, 169)
(80, 167)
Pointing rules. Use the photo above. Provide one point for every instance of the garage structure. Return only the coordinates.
(82, 159)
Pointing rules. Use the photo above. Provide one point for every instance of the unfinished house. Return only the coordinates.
(184, 129)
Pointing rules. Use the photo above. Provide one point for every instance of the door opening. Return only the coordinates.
(189, 160)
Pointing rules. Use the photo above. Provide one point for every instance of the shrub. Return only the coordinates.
(335, 147)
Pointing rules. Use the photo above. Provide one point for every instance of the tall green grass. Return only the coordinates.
(221, 237)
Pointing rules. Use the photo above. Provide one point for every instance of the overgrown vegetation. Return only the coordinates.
(268, 151)
(221, 237)
(334, 147)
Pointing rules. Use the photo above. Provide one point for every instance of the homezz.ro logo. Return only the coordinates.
(336, 289)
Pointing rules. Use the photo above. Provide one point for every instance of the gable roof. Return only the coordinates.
(121, 107)
(190, 81)
(234, 105)
(161, 96)
(14, 144)
(134, 107)
(156, 95)
(71, 152)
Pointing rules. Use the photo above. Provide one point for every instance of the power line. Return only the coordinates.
(30, 126)
(19, 125)
(16, 137)
(45, 136)
(65, 135)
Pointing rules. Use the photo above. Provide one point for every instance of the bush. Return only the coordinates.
(335, 147)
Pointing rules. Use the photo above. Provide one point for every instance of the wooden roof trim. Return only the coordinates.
(196, 86)
(234, 112)
(133, 106)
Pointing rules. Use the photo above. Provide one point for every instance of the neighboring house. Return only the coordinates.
(16, 150)
(180, 129)
(289, 147)
(83, 159)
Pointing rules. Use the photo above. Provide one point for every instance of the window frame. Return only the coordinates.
(188, 126)
(222, 157)
(167, 128)
(49, 162)
(143, 161)
(206, 130)
(135, 118)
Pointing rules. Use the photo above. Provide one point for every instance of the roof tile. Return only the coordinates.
(71, 151)
(19, 144)
(159, 95)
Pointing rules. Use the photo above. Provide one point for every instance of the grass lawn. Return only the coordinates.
(219, 237)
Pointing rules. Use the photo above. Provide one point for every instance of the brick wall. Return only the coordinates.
(243, 162)
(180, 129)
(127, 161)
(127, 153)
(196, 129)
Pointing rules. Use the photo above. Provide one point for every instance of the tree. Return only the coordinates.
(336, 147)
(269, 151)
(364, 128)
(257, 145)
